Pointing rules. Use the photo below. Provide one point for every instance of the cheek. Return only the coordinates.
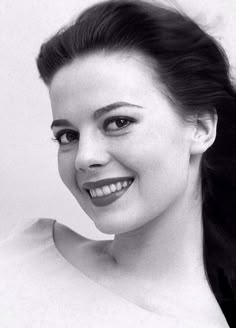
(66, 168)
(161, 167)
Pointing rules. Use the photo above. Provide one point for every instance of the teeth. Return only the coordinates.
(108, 189)
(99, 192)
(112, 187)
(118, 186)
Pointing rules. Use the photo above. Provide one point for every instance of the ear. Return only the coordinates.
(204, 132)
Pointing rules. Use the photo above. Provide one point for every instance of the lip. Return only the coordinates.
(103, 182)
(109, 199)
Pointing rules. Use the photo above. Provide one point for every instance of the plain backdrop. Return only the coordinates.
(30, 185)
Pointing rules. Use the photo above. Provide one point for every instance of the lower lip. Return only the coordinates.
(108, 199)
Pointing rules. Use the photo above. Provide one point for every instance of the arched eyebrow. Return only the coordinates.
(106, 109)
(97, 114)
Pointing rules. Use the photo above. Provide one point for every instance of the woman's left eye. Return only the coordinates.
(117, 123)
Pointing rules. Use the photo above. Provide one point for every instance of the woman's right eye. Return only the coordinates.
(66, 137)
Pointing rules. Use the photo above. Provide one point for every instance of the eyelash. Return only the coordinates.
(105, 125)
(61, 133)
(115, 119)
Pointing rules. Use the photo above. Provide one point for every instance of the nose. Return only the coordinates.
(92, 153)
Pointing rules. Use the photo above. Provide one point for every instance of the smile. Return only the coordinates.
(105, 192)
(109, 189)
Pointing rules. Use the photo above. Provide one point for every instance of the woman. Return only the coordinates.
(143, 108)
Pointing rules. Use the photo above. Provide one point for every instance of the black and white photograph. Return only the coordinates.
(118, 164)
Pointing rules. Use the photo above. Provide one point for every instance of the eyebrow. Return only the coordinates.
(97, 114)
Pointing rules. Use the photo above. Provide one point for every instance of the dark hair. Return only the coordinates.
(195, 70)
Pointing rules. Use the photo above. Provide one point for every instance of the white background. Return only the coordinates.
(30, 185)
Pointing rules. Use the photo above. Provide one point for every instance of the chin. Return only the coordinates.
(114, 226)
(108, 226)
(111, 230)
(108, 230)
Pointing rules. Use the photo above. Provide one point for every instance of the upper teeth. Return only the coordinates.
(108, 189)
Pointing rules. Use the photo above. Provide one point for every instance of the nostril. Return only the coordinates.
(95, 165)
(87, 168)
(91, 160)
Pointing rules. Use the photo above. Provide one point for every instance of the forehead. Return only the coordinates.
(99, 79)
(106, 61)
(99, 72)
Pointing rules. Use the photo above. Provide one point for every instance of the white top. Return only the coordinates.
(40, 288)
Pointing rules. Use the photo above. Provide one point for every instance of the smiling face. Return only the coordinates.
(137, 134)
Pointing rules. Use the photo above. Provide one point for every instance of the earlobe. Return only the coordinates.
(204, 132)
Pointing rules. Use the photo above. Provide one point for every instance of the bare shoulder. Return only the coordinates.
(91, 257)
(62, 232)
(82, 252)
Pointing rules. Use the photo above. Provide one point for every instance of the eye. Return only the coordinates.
(117, 123)
(66, 137)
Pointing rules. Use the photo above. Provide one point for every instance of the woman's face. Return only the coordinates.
(119, 126)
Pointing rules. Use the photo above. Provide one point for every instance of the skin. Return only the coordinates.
(157, 222)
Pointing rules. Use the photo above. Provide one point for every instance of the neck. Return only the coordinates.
(164, 260)
(167, 249)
